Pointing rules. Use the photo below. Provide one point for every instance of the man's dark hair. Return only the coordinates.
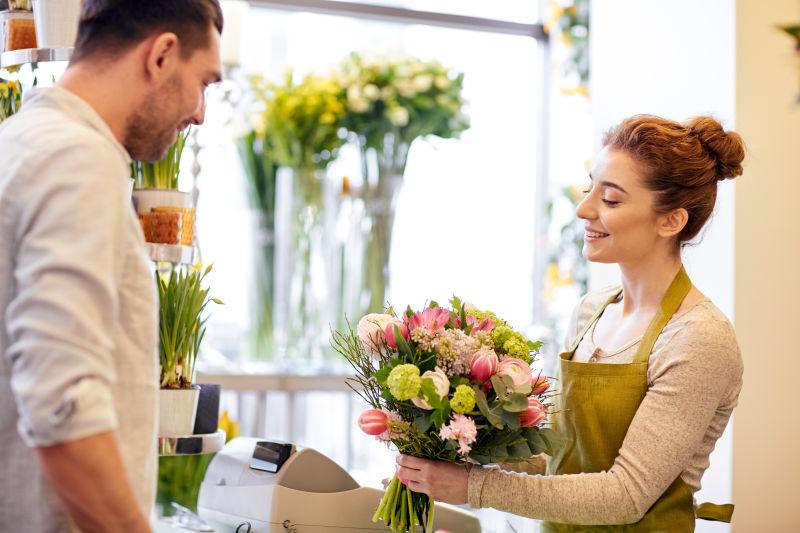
(110, 27)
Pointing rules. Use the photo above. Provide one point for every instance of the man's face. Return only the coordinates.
(175, 104)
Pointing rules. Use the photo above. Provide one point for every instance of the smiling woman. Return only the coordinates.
(652, 369)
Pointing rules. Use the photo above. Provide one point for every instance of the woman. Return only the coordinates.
(652, 369)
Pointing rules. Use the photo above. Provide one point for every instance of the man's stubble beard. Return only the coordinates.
(151, 128)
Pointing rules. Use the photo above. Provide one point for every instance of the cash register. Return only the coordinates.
(258, 486)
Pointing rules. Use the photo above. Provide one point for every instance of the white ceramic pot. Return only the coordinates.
(56, 22)
(147, 199)
(177, 410)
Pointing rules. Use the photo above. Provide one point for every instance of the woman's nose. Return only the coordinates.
(585, 210)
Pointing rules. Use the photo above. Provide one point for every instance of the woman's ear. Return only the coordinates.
(672, 223)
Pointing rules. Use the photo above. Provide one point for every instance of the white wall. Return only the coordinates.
(674, 59)
(767, 287)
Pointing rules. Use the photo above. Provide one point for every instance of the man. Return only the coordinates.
(78, 372)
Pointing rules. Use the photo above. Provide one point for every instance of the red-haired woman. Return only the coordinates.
(652, 370)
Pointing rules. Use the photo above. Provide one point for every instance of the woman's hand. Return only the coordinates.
(442, 481)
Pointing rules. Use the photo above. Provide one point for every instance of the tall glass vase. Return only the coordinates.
(307, 317)
(383, 170)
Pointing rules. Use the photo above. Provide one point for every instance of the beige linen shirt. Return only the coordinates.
(79, 315)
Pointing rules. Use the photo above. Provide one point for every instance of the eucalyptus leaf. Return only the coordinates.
(520, 449)
(422, 422)
(483, 407)
(510, 419)
(515, 403)
(499, 386)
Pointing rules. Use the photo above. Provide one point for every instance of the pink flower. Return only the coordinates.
(373, 422)
(483, 364)
(432, 319)
(370, 331)
(461, 428)
(534, 414)
(487, 325)
(388, 333)
(517, 369)
(541, 385)
(392, 431)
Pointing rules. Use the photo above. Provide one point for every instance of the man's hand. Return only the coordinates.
(90, 479)
(442, 481)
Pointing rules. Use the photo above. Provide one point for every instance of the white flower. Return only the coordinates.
(406, 88)
(371, 92)
(442, 82)
(423, 82)
(398, 116)
(388, 92)
(359, 106)
(403, 71)
(371, 329)
(354, 93)
(440, 382)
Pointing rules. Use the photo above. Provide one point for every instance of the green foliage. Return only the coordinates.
(182, 300)
(161, 174)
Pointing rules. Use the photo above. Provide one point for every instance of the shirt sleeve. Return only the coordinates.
(65, 300)
(666, 431)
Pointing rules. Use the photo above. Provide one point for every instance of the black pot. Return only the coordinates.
(207, 420)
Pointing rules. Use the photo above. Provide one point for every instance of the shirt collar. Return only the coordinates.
(77, 108)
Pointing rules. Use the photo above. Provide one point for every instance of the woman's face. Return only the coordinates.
(621, 225)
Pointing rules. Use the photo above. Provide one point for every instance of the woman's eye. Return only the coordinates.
(610, 203)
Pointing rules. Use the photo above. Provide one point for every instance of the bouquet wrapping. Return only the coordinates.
(451, 384)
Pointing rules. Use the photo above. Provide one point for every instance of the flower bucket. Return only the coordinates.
(177, 411)
(56, 22)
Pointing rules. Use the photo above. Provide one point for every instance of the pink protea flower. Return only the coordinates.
(461, 428)
(432, 319)
(540, 385)
(534, 414)
(388, 333)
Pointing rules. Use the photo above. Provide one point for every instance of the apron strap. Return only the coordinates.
(715, 512)
(672, 300)
(589, 323)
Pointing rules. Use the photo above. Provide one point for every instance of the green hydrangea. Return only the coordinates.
(463, 399)
(404, 382)
(480, 315)
(511, 343)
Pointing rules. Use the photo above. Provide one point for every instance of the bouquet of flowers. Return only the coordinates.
(451, 384)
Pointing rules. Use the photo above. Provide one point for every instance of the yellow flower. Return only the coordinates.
(230, 426)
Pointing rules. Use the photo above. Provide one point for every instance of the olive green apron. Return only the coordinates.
(594, 410)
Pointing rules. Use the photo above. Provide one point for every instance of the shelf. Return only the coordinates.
(191, 444)
(170, 253)
(16, 58)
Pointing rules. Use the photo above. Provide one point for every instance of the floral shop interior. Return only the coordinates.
(369, 256)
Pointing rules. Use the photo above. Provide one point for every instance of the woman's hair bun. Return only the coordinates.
(727, 148)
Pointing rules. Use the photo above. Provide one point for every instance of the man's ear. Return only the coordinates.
(672, 223)
(161, 56)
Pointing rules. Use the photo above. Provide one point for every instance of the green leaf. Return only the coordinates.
(434, 304)
(483, 406)
(382, 375)
(520, 449)
(499, 453)
(428, 391)
(499, 386)
(515, 402)
(481, 459)
(553, 439)
(451, 445)
(422, 422)
(387, 395)
(455, 381)
(409, 312)
(402, 345)
(535, 346)
(509, 418)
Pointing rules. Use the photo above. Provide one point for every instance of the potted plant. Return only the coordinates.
(167, 214)
(183, 300)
